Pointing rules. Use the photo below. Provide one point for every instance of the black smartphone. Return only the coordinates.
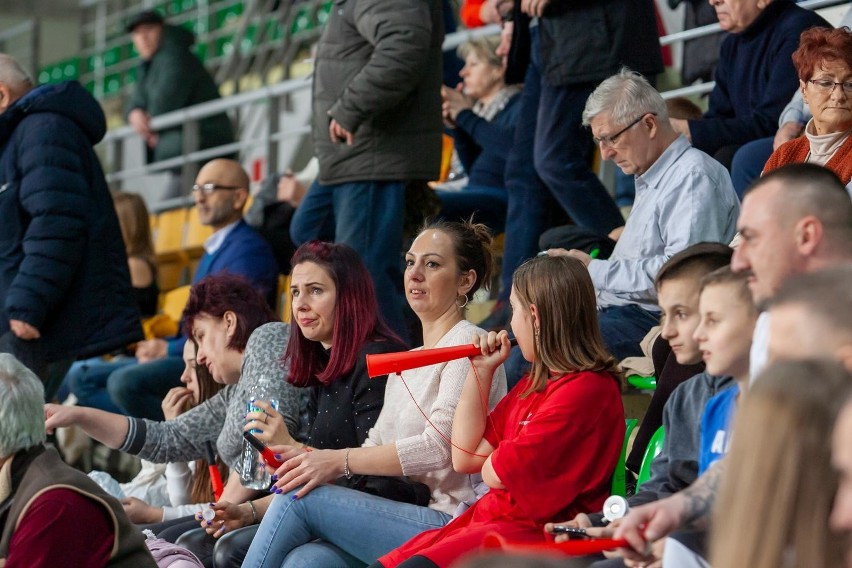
(572, 532)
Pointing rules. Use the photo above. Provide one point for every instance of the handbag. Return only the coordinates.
(395, 488)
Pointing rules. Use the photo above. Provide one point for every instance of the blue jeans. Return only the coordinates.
(624, 327)
(487, 203)
(528, 201)
(367, 216)
(139, 389)
(88, 381)
(748, 163)
(363, 526)
(562, 151)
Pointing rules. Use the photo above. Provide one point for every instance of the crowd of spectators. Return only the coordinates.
(730, 276)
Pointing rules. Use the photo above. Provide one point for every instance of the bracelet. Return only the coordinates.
(346, 472)
(253, 512)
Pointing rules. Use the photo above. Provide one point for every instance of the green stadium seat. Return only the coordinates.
(323, 11)
(619, 478)
(642, 383)
(227, 16)
(655, 446)
(303, 21)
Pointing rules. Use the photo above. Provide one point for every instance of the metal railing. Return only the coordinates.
(273, 97)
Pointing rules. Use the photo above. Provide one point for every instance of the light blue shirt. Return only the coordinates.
(685, 197)
(215, 241)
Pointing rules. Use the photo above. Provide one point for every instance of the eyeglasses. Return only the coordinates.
(209, 188)
(609, 141)
(826, 86)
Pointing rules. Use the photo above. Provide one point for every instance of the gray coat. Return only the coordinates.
(378, 73)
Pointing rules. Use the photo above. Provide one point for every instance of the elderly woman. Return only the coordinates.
(754, 77)
(482, 117)
(53, 515)
(824, 64)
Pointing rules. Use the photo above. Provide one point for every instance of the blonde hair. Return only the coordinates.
(568, 338)
(778, 487)
(135, 225)
(484, 49)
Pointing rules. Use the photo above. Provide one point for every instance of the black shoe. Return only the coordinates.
(499, 317)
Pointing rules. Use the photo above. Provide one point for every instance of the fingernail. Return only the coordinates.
(244, 416)
(211, 505)
(294, 497)
(209, 523)
(278, 456)
(272, 489)
(274, 478)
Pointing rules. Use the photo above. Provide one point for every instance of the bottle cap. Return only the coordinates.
(615, 507)
(208, 515)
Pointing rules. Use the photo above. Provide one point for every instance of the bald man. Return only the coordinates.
(61, 252)
(137, 386)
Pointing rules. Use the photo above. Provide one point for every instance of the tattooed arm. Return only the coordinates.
(690, 508)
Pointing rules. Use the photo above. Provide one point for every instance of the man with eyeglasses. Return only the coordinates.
(220, 191)
(683, 197)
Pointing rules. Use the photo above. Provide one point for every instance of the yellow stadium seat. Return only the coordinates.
(283, 297)
(196, 234)
(174, 301)
(171, 226)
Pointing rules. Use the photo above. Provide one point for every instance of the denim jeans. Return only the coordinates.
(138, 389)
(528, 201)
(363, 526)
(563, 148)
(88, 381)
(487, 204)
(367, 216)
(624, 327)
(748, 163)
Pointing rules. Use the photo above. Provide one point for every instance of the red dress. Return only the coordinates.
(555, 452)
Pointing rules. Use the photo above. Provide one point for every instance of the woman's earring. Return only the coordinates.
(463, 304)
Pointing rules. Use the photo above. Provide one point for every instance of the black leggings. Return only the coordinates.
(413, 562)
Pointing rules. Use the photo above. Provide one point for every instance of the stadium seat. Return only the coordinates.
(655, 446)
(619, 486)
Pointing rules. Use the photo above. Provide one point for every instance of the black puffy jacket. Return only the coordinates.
(63, 267)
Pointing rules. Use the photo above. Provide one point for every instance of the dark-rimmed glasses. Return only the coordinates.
(826, 86)
(609, 141)
(209, 188)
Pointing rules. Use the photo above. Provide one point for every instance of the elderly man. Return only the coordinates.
(682, 197)
(137, 386)
(755, 77)
(170, 77)
(53, 515)
(61, 251)
(795, 220)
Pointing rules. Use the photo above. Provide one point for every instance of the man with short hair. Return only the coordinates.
(795, 220)
(61, 251)
(682, 197)
(137, 386)
(170, 77)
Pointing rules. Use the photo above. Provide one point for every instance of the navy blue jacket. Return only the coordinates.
(483, 146)
(755, 78)
(243, 252)
(63, 267)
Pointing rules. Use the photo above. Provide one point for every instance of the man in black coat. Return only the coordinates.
(64, 282)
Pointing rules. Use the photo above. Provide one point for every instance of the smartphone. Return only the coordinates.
(572, 532)
(268, 455)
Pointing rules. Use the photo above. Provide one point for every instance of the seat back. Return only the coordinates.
(655, 446)
(619, 485)
(283, 298)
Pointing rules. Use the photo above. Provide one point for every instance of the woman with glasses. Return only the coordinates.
(824, 64)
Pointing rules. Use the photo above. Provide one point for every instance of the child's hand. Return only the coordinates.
(495, 350)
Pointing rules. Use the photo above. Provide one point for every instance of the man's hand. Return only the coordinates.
(787, 132)
(23, 330)
(534, 8)
(681, 126)
(151, 350)
(140, 120)
(339, 134)
(488, 13)
(573, 253)
(290, 190)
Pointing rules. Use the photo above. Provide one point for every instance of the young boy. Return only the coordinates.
(724, 337)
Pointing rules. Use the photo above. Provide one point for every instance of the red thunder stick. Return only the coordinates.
(215, 478)
(268, 455)
(386, 363)
(569, 548)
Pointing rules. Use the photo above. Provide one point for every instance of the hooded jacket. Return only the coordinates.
(63, 267)
(172, 79)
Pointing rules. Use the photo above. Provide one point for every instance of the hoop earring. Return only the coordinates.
(461, 306)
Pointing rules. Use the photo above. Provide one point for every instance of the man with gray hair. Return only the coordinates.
(64, 282)
(50, 513)
(683, 197)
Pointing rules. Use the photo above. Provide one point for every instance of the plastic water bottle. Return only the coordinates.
(253, 471)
